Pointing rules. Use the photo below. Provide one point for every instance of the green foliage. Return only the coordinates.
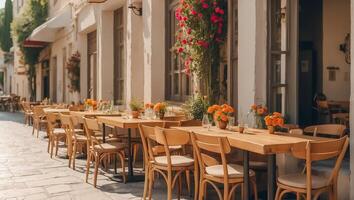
(6, 20)
(73, 67)
(136, 105)
(33, 14)
(196, 106)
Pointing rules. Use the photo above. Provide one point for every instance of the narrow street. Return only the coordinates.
(27, 172)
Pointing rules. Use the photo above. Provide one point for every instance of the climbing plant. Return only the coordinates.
(202, 31)
(73, 67)
(33, 14)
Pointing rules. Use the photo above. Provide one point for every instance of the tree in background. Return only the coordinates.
(34, 13)
(6, 20)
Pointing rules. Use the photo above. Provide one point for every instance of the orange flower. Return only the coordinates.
(224, 118)
(254, 107)
(277, 114)
(210, 109)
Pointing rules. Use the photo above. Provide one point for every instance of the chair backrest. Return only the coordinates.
(38, 113)
(296, 131)
(52, 121)
(68, 126)
(334, 130)
(174, 118)
(147, 133)
(190, 123)
(321, 150)
(341, 118)
(170, 137)
(169, 124)
(204, 145)
(91, 126)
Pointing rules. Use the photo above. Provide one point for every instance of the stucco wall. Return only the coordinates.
(336, 25)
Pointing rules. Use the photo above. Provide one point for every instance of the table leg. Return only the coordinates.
(271, 176)
(103, 132)
(130, 159)
(246, 178)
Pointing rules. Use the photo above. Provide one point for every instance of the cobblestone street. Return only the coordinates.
(27, 171)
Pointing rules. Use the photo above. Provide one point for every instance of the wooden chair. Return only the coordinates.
(39, 119)
(326, 130)
(190, 123)
(169, 166)
(55, 134)
(98, 151)
(341, 118)
(28, 112)
(212, 171)
(74, 141)
(309, 185)
(174, 118)
(296, 132)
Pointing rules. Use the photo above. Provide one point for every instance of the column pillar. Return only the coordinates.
(105, 48)
(154, 50)
(252, 52)
(135, 57)
(352, 102)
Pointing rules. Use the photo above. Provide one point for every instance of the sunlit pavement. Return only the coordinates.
(28, 172)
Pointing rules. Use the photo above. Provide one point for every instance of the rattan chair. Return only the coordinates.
(212, 171)
(307, 184)
(39, 119)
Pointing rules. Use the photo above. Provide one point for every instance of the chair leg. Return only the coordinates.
(56, 146)
(97, 163)
(277, 193)
(255, 190)
(122, 161)
(151, 182)
(33, 127)
(135, 152)
(179, 186)
(51, 146)
(169, 185)
(49, 142)
(202, 190)
(74, 154)
(146, 182)
(88, 161)
(188, 180)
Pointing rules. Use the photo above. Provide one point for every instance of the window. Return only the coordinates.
(92, 65)
(178, 84)
(64, 75)
(119, 69)
(278, 21)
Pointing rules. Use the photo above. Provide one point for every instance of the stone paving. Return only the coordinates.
(27, 171)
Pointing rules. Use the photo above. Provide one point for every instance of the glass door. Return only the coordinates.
(278, 36)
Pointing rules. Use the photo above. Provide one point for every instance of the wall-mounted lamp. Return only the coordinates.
(96, 1)
(137, 7)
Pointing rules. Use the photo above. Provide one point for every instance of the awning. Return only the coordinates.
(47, 31)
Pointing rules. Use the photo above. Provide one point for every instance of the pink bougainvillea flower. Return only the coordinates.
(184, 41)
(189, 31)
(214, 19)
(205, 5)
(180, 50)
(200, 15)
(193, 12)
(219, 11)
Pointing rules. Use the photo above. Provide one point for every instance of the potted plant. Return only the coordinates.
(135, 107)
(90, 104)
(196, 107)
(160, 109)
(221, 114)
(273, 121)
(259, 112)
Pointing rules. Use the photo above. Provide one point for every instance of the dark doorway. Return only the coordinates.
(45, 79)
(310, 58)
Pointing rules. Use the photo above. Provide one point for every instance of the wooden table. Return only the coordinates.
(126, 123)
(55, 110)
(257, 141)
(82, 114)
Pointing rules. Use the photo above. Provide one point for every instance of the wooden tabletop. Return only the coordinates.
(255, 140)
(56, 110)
(124, 122)
(93, 113)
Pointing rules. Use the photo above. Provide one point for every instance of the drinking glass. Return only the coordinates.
(231, 122)
(205, 122)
